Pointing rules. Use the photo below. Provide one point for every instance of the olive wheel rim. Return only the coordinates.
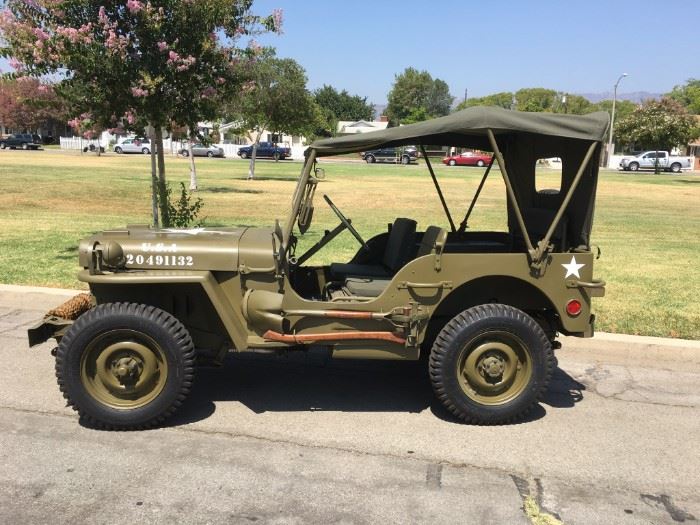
(494, 368)
(123, 369)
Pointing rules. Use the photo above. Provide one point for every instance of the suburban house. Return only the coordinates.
(348, 127)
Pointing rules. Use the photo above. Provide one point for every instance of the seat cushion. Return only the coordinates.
(366, 287)
(341, 271)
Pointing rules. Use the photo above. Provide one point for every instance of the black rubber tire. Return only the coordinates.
(405, 160)
(185, 153)
(634, 166)
(480, 163)
(276, 156)
(117, 151)
(452, 162)
(370, 159)
(146, 151)
(476, 321)
(244, 155)
(210, 154)
(166, 330)
(675, 167)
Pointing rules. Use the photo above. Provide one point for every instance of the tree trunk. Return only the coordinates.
(656, 164)
(193, 169)
(154, 179)
(253, 153)
(162, 186)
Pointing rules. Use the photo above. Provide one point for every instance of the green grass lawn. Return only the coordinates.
(646, 225)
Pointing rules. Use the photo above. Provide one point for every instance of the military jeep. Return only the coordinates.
(485, 307)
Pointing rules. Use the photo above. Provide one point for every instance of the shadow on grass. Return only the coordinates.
(223, 189)
(286, 179)
(67, 253)
(304, 382)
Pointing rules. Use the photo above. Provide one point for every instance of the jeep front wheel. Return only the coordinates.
(125, 365)
(491, 364)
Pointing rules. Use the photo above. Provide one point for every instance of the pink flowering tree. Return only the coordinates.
(129, 65)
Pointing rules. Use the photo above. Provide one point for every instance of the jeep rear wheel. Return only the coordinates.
(125, 365)
(491, 364)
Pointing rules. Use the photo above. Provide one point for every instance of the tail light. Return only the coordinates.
(573, 307)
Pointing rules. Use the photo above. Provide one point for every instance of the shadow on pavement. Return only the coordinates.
(314, 382)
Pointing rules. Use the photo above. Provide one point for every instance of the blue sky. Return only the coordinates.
(486, 46)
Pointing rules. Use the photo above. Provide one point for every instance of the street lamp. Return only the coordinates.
(612, 118)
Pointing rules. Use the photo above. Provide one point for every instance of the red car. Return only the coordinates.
(468, 158)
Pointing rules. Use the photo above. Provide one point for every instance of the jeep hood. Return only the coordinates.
(214, 249)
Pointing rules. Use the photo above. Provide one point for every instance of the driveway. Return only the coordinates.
(305, 439)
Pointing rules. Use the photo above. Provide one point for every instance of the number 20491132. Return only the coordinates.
(159, 260)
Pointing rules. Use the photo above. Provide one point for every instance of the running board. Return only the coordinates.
(335, 336)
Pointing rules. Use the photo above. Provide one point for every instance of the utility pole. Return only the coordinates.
(612, 119)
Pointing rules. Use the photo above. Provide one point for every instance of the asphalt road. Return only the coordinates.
(308, 440)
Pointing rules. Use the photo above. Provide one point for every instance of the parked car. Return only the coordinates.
(647, 160)
(265, 150)
(22, 141)
(403, 155)
(133, 146)
(468, 158)
(200, 150)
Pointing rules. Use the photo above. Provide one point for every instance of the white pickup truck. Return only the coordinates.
(648, 160)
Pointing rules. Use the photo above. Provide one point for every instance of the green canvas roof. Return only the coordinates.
(467, 128)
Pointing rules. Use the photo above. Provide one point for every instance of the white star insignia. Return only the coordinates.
(573, 267)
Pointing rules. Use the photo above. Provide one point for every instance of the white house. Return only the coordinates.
(348, 127)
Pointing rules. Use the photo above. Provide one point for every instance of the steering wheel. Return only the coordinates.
(346, 222)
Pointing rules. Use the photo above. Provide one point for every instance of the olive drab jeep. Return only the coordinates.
(485, 306)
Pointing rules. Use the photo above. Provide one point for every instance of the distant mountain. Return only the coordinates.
(635, 96)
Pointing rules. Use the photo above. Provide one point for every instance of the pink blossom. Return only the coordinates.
(221, 80)
(134, 6)
(41, 34)
(102, 16)
(277, 21)
(74, 123)
(208, 92)
(173, 56)
(139, 92)
(162, 45)
(16, 64)
(43, 88)
(130, 117)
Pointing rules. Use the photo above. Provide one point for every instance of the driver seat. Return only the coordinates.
(398, 251)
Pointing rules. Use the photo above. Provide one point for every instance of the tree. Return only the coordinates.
(337, 105)
(26, 104)
(623, 108)
(277, 100)
(688, 95)
(501, 100)
(658, 125)
(133, 64)
(416, 93)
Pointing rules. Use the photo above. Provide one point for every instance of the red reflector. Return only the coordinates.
(573, 307)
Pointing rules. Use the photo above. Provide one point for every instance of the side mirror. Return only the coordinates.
(320, 173)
